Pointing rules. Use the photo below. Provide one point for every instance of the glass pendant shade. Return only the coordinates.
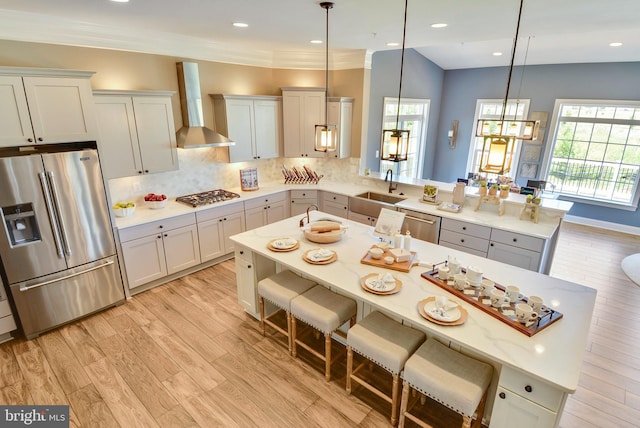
(497, 153)
(518, 129)
(395, 145)
(326, 139)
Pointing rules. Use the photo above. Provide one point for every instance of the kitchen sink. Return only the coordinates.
(381, 197)
(370, 203)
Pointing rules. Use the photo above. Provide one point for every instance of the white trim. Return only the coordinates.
(601, 224)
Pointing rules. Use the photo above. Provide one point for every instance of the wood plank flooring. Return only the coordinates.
(185, 355)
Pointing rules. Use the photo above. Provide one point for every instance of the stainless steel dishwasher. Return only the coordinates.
(425, 227)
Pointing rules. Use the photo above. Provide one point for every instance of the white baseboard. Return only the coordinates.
(616, 227)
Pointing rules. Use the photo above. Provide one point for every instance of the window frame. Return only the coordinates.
(424, 119)
(554, 126)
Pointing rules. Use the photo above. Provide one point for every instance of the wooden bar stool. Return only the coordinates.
(280, 289)
(325, 311)
(449, 377)
(387, 343)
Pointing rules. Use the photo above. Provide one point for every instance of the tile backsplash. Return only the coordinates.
(205, 169)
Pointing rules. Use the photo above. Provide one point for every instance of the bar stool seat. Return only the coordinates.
(387, 343)
(449, 377)
(280, 289)
(325, 311)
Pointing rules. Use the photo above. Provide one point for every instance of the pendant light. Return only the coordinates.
(326, 137)
(500, 135)
(395, 142)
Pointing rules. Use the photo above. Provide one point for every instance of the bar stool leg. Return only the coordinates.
(261, 300)
(288, 315)
(294, 349)
(349, 368)
(327, 355)
(395, 391)
(404, 402)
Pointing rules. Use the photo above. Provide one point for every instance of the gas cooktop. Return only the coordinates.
(208, 197)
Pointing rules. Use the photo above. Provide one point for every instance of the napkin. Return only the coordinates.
(387, 277)
(284, 243)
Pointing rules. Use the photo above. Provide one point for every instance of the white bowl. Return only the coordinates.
(124, 212)
(389, 260)
(155, 205)
(376, 253)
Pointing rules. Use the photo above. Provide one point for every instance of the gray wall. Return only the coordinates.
(542, 84)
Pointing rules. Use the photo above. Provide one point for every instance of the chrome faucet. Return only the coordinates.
(308, 219)
(392, 186)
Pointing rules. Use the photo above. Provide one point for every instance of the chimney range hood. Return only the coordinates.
(194, 134)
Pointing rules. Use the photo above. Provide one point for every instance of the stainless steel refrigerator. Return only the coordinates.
(57, 246)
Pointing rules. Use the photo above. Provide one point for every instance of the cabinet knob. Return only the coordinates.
(464, 227)
(334, 198)
(502, 395)
(345, 208)
(248, 266)
(269, 206)
(241, 252)
(165, 234)
(491, 245)
(225, 219)
(462, 240)
(515, 239)
(139, 172)
(40, 139)
(30, 140)
(160, 227)
(258, 157)
(146, 171)
(304, 194)
(159, 236)
(219, 219)
(528, 388)
(264, 208)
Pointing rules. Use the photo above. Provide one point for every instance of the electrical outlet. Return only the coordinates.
(377, 153)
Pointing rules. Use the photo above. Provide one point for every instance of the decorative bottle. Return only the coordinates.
(407, 241)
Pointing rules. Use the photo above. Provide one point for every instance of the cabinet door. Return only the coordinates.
(181, 248)
(61, 109)
(314, 111)
(241, 129)
(246, 285)
(255, 217)
(514, 409)
(210, 239)
(15, 123)
(292, 103)
(118, 138)
(231, 225)
(144, 260)
(156, 133)
(514, 256)
(361, 218)
(276, 211)
(267, 129)
(340, 114)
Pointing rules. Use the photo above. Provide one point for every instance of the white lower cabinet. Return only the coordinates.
(361, 218)
(157, 249)
(334, 203)
(266, 210)
(7, 322)
(516, 249)
(215, 226)
(251, 268)
(301, 200)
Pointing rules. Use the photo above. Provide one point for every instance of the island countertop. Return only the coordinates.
(553, 355)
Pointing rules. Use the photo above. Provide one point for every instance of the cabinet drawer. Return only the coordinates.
(300, 194)
(341, 210)
(146, 229)
(7, 324)
(531, 389)
(463, 240)
(212, 213)
(5, 309)
(517, 240)
(466, 228)
(243, 253)
(461, 248)
(263, 200)
(335, 197)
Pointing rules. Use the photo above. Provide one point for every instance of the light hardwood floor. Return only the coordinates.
(184, 354)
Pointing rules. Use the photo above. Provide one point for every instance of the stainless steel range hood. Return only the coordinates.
(194, 133)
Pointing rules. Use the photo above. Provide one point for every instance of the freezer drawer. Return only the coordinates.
(50, 301)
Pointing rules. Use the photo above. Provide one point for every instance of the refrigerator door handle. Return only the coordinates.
(52, 214)
(56, 200)
(63, 278)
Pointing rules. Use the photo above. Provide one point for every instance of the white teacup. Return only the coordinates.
(513, 292)
(460, 281)
(474, 275)
(487, 286)
(498, 298)
(525, 313)
(376, 252)
(454, 265)
(536, 303)
(443, 273)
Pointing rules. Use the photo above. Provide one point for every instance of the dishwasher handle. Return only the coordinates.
(429, 222)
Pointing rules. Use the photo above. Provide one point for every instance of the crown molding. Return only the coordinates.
(38, 28)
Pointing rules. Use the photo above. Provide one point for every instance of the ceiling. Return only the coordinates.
(279, 31)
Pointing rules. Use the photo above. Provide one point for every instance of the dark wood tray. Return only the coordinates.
(547, 316)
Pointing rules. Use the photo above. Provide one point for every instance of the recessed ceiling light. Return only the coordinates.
(393, 44)
(615, 44)
(121, 1)
(240, 25)
(497, 54)
(439, 25)
(316, 42)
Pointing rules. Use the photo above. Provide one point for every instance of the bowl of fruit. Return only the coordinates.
(124, 209)
(156, 201)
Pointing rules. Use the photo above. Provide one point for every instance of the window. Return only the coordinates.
(413, 116)
(492, 109)
(594, 153)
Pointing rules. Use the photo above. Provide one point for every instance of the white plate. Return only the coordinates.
(284, 243)
(317, 256)
(376, 285)
(450, 316)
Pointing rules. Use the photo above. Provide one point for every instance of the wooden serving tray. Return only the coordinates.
(547, 316)
(402, 267)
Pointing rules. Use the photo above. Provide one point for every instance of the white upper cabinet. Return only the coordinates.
(45, 106)
(341, 115)
(252, 122)
(302, 110)
(136, 132)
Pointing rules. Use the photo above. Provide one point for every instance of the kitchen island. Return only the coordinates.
(533, 375)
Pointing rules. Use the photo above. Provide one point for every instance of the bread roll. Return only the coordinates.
(324, 226)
